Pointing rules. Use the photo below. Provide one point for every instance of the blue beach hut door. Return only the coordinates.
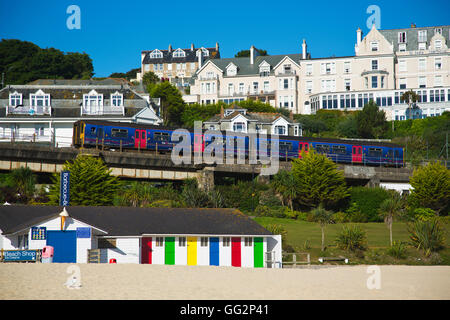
(214, 251)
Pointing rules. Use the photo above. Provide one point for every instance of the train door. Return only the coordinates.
(199, 144)
(357, 154)
(140, 140)
(302, 147)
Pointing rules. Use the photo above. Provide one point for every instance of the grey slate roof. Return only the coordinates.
(412, 35)
(129, 221)
(245, 68)
(168, 57)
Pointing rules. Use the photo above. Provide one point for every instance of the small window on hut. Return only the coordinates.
(226, 241)
(248, 241)
(159, 241)
(182, 241)
(107, 243)
(203, 241)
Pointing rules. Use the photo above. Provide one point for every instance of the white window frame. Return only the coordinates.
(117, 99)
(309, 69)
(374, 46)
(402, 65)
(422, 35)
(39, 96)
(205, 52)
(422, 64)
(347, 67)
(92, 99)
(376, 64)
(422, 81)
(309, 86)
(243, 126)
(156, 54)
(402, 47)
(241, 87)
(422, 46)
(179, 53)
(402, 37)
(438, 83)
(276, 130)
(438, 63)
(15, 99)
(436, 46)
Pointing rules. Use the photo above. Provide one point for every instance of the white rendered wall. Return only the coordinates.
(202, 253)
(224, 254)
(157, 252)
(127, 251)
(180, 252)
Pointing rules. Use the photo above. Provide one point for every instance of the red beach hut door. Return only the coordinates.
(146, 253)
(236, 252)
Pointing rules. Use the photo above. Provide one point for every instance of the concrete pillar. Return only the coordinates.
(205, 178)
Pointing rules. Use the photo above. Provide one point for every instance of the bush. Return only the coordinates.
(424, 214)
(302, 216)
(352, 238)
(397, 250)
(355, 215)
(340, 217)
(427, 235)
(368, 201)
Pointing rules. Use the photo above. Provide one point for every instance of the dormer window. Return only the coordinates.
(402, 47)
(15, 99)
(231, 70)
(402, 37)
(239, 127)
(437, 44)
(156, 54)
(39, 99)
(438, 31)
(205, 52)
(264, 69)
(93, 99)
(422, 46)
(117, 99)
(179, 53)
(374, 46)
(422, 35)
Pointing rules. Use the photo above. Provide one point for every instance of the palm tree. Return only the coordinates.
(23, 181)
(411, 98)
(389, 209)
(323, 217)
(284, 184)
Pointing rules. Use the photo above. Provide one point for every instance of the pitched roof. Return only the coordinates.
(169, 58)
(412, 36)
(245, 68)
(129, 221)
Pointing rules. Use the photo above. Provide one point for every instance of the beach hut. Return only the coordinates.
(162, 236)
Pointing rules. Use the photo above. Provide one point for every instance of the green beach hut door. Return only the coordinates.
(169, 254)
(258, 252)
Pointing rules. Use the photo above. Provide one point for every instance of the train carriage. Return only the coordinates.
(119, 135)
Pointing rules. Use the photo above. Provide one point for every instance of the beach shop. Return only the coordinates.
(163, 236)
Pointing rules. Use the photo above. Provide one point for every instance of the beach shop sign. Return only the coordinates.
(19, 255)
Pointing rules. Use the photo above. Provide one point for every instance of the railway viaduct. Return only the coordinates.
(149, 165)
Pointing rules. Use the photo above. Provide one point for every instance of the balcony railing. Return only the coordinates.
(214, 77)
(286, 73)
(104, 110)
(29, 110)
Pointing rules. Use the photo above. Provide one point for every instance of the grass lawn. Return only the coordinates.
(301, 232)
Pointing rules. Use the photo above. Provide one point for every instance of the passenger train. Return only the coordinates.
(131, 136)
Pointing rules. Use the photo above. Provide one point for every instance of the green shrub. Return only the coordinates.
(397, 250)
(352, 238)
(368, 201)
(292, 214)
(302, 216)
(340, 217)
(263, 211)
(424, 214)
(427, 235)
(354, 214)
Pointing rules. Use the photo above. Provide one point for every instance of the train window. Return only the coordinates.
(390, 154)
(93, 131)
(161, 136)
(375, 152)
(119, 133)
(285, 145)
(339, 149)
(322, 148)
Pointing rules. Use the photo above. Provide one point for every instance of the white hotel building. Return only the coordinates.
(386, 64)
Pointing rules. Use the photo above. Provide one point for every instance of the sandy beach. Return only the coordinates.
(129, 281)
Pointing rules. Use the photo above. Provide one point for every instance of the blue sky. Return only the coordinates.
(114, 33)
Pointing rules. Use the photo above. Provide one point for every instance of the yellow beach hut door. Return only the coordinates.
(192, 251)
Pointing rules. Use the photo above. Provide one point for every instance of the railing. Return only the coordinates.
(286, 73)
(103, 110)
(29, 110)
(215, 77)
(290, 259)
(30, 137)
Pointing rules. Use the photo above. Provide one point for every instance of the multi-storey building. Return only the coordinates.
(45, 110)
(385, 65)
(176, 63)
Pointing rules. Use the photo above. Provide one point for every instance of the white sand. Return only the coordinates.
(133, 281)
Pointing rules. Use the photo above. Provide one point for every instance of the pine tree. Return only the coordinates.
(318, 181)
(91, 183)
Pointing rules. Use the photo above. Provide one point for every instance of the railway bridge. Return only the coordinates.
(150, 165)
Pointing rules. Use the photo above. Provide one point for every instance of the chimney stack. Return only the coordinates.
(192, 47)
(170, 48)
(304, 49)
(199, 54)
(358, 36)
(217, 46)
(252, 54)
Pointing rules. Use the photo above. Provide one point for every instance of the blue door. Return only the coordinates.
(213, 251)
(65, 245)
